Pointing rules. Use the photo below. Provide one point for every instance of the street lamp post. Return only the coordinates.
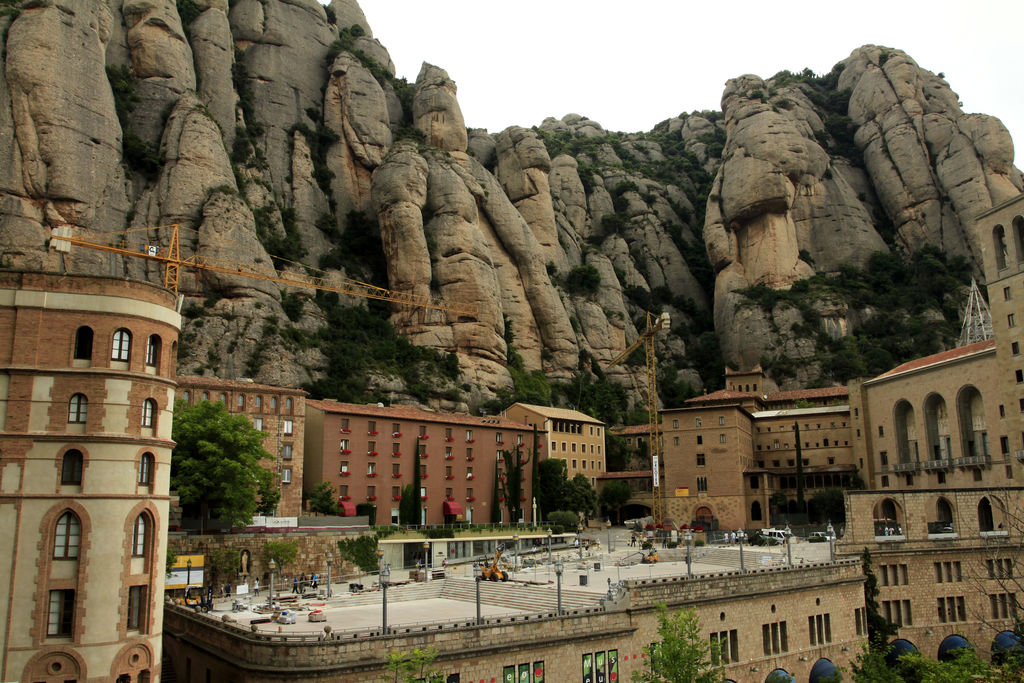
(385, 578)
(689, 562)
(515, 554)
(549, 547)
(426, 558)
(789, 545)
(579, 539)
(559, 568)
(608, 524)
(831, 541)
(741, 536)
(270, 598)
(478, 576)
(330, 561)
(188, 574)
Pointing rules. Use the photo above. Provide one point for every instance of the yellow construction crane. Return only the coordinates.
(62, 239)
(654, 325)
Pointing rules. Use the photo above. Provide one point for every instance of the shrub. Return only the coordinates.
(583, 280)
(565, 518)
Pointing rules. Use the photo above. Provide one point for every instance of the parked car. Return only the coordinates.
(820, 537)
(773, 536)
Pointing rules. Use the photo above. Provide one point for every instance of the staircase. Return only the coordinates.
(526, 597)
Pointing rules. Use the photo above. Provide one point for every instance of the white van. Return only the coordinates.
(775, 536)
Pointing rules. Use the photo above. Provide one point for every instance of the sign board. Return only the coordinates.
(682, 491)
(182, 576)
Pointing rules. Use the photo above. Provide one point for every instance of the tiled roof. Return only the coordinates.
(558, 413)
(630, 430)
(942, 357)
(722, 395)
(821, 392)
(415, 414)
(242, 385)
(631, 474)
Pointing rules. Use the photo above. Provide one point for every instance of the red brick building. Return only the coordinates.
(368, 453)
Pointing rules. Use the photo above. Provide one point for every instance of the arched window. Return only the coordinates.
(288, 404)
(999, 246)
(187, 396)
(146, 465)
(68, 536)
(985, 521)
(71, 468)
(206, 395)
(241, 401)
(83, 343)
(224, 399)
(755, 511)
(122, 347)
(153, 350)
(257, 403)
(77, 407)
(1018, 237)
(139, 536)
(273, 402)
(148, 412)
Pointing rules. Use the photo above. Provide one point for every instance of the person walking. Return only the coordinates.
(256, 587)
(295, 585)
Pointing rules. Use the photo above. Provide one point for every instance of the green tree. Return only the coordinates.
(613, 496)
(828, 506)
(408, 507)
(880, 629)
(361, 551)
(269, 496)
(551, 485)
(216, 463)
(323, 500)
(281, 552)
(223, 566)
(682, 655)
(413, 667)
(580, 496)
(172, 557)
(616, 453)
(511, 482)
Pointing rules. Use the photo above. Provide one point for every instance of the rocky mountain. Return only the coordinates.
(275, 135)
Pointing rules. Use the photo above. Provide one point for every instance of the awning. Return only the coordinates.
(451, 507)
(347, 508)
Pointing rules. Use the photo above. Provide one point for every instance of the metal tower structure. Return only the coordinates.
(977, 318)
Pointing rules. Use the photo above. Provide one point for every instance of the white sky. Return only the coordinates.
(629, 65)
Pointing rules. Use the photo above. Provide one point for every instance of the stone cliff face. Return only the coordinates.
(274, 133)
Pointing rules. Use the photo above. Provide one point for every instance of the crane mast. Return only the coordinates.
(654, 325)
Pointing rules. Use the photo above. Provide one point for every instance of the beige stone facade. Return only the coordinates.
(939, 578)
(87, 369)
(726, 453)
(770, 619)
(569, 435)
(368, 453)
(278, 411)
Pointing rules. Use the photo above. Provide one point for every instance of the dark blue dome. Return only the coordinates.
(948, 646)
(1005, 641)
(898, 648)
(780, 676)
(823, 670)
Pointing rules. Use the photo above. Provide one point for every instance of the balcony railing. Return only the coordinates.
(936, 465)
(974, 461)
(906, 467)
(1019, 455)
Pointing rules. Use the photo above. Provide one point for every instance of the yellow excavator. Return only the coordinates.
(491, 572)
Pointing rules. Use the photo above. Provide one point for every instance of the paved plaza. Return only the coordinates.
(586, 578)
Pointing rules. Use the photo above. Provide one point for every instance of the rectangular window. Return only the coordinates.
(1018, 375)
(371, 468)
(951, 609)
(286, 475)
(61, 614)
(344, 423)
(1011, 320)
(574, 464)
(725, 647)
(860, 617)
(469, 435)
(774, 638)
(1003, 605)
(1007, 295)
(257, 423)
(136, 608)
(721, 438)
(898, 612)
(721, 419)
(1000, 569)
(675, 441)
(819, 626)
(286, 451)
(698, 422)
(702, 483)
(287, 428)
(700, 460)
(881, 430)
(700, 439)
(675, 424)
(1015, 348)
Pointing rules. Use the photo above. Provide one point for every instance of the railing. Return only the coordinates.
(1019, 455)
(936, 465)
(906, 467)
(974, 461)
